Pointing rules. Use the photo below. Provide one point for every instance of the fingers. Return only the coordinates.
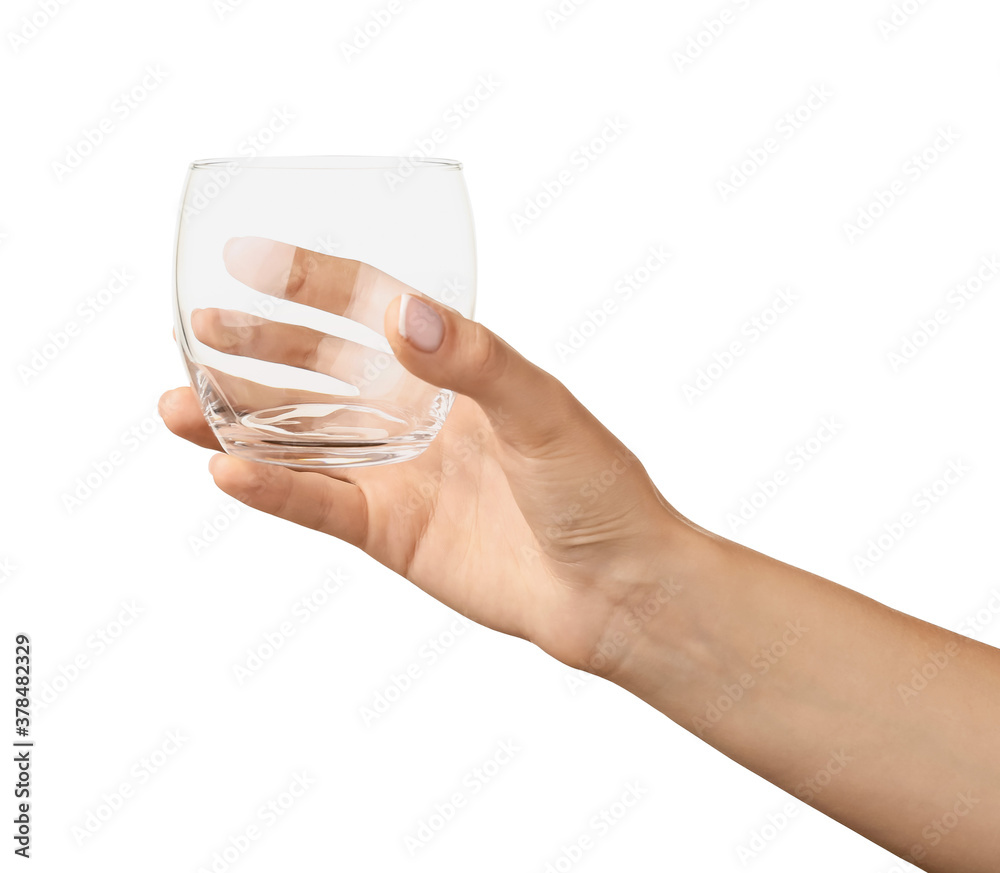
(263, 264)
(339, 285)
(181, 413)
(237, 333)
(313, 500)
(528, 407)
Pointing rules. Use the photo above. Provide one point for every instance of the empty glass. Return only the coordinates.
(284, 270)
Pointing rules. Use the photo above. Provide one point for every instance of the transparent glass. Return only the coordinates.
(284, 270)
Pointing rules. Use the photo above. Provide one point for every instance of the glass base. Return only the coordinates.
(324, 435)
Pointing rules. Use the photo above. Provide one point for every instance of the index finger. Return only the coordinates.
(343, 286)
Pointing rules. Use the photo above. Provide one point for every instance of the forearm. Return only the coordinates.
(882, 721)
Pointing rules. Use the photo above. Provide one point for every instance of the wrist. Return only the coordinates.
(652, 616)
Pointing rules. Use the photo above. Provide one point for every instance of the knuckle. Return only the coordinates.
(323, 509)
(303, 263)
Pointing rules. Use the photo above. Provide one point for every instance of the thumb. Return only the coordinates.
(528, 407)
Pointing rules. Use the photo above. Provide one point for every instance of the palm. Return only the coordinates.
(503, 537)
(455, 529)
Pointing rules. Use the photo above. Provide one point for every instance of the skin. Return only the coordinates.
(528, 516)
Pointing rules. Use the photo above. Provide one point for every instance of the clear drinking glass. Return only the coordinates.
(284, 270)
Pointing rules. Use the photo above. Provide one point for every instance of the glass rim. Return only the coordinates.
(327, 162)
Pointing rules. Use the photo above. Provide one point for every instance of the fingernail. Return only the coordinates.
(263, 264)
(420, 325)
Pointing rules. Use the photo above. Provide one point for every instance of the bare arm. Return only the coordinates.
(882, 721)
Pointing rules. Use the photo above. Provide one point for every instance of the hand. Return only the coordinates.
(525, 514)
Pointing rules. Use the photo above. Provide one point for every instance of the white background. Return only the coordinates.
(135, 538)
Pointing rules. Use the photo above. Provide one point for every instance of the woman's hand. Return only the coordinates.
(525, 514)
